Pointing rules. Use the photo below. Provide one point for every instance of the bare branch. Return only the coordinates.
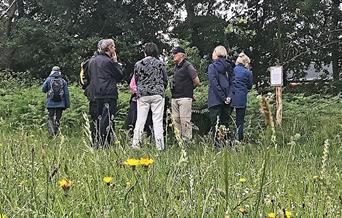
(3, 15)
(305, 52)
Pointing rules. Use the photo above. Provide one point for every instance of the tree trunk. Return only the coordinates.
(20, 5)
(334, 48)
(11, 14)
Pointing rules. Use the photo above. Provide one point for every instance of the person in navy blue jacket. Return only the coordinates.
(220, 77)
(57, 99)
(243, 81)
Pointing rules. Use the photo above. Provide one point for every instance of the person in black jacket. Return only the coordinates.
(104, 74)
(85, 84)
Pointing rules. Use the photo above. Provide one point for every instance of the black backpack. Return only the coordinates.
(56, 91)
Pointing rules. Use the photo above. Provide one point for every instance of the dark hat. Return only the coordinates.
(178, 49)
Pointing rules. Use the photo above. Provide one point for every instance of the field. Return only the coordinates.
(297, 174)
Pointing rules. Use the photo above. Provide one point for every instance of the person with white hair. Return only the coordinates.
(104, 74)
(243, 82)
(220, 78)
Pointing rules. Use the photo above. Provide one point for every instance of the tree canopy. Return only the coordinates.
(38, 34)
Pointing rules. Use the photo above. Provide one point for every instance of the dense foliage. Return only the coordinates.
(35, 35)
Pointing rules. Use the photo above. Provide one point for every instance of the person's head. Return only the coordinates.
(55, 70)
(107, 46)
(219, 52)
(178, 54)
(243, 59)
(151, 49)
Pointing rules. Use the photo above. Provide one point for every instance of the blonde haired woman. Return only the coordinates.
(243, 81)
(220, 77)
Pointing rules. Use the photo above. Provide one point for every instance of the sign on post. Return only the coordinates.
(277, 81)
(276, 76)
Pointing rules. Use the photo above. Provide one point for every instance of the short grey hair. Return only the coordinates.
(105, 44)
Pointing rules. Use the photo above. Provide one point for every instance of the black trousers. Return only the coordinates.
(221, 114)
(54, 117)
(102, 125)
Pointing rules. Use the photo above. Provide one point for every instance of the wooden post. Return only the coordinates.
(277, 81)
(279, 105)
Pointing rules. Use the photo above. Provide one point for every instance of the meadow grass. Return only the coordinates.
(301, 175)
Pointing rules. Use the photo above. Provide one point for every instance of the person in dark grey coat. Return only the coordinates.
(243, 82)
(57, 99)
(104, 74)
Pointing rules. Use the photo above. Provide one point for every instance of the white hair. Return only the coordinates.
(105, 44)
(221, 51)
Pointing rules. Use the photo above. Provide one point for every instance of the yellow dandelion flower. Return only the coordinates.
(3, 216)
(288, 214)
(242, 210)
(132, 162)
(146, 162)
(64, 184)
(242, 180)
(271, 215)
(107, 179)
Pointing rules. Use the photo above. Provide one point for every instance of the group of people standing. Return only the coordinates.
(228, 87)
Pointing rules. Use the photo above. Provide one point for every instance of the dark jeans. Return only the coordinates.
(102, 127)
(54, 117)
(221, 112)
(239, 121)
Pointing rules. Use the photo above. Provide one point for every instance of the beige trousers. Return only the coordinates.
(181, 114)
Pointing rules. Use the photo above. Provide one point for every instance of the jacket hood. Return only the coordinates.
(55, 74)
(223, 65)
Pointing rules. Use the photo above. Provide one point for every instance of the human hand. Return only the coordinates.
(227, 100)
(114, 56)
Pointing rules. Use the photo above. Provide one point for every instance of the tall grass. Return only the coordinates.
(195, 180)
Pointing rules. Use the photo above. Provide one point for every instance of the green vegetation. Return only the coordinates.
(35, 35)
(295, 173)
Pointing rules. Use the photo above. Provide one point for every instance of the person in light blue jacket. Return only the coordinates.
(243, 82)
(57, 99)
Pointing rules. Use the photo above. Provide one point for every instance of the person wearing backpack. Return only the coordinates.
(89, 91)
(57, 99)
